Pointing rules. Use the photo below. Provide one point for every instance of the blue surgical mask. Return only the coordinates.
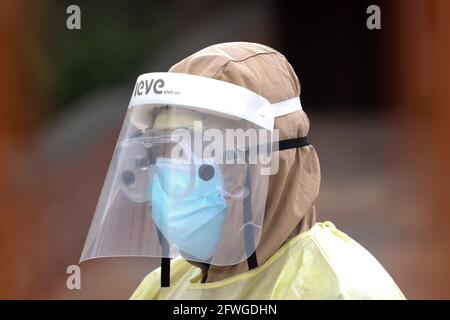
(191, 219)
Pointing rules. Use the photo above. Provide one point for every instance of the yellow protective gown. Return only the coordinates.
(321, 263)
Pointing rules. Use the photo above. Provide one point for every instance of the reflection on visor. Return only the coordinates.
(143, 159)
(137, 159)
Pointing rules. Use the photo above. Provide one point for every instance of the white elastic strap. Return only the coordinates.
(286, 107)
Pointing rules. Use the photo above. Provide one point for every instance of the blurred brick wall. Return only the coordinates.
(421, 87)
(18, 104)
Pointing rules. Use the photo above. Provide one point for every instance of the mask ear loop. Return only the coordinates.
(240, 195)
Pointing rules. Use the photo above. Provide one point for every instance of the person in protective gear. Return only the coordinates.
(226, 223)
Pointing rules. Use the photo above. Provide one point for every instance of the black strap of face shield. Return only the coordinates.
(292, 143)
(165, 262)
(165, 272)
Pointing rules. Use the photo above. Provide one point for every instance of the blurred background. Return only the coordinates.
(378, 102)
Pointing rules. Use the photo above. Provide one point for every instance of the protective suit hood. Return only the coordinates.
(293, 189)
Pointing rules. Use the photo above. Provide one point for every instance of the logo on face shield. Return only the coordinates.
(147, 85)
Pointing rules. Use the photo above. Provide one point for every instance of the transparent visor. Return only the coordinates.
(183, 182)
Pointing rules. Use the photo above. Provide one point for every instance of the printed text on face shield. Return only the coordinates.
(144, 86)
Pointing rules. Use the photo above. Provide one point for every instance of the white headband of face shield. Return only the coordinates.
(210, 94)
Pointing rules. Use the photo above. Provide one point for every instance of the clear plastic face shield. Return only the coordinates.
(189, 174)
